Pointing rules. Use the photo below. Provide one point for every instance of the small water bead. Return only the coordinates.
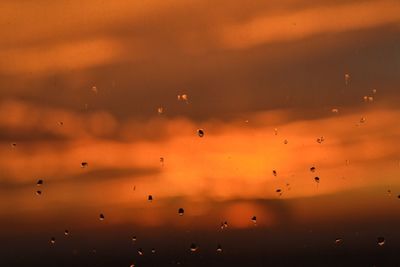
(338, 241)
(219, 248)
(320, 140)
(160, 110)
(381, 241)
(53, 240)
(101, 217)
(66, 232)
(140, 251)
(39, 182)
(254, 219)
(38, 192)
(183, 97)
(181, 211)
(312, 169)
(346, 78)
(84, 164)
(150, 198)
(274, 173)
(193, 247)
(316, 179)
(200, 132)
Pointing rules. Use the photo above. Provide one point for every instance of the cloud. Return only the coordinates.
(300, 24)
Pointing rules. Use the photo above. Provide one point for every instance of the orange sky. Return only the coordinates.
(247, 69)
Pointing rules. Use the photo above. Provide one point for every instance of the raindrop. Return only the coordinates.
(150, 198)
(274, 172)
(279, 190)
(162, 161)
(153, 250)
(346, 78)
(101, 217)
(193, 247)
(132, 265)
(285, 141)
(39, 182)
(13, 145)
(53, 240)
(84, 164)
(381, 241)
(362, 120)
(66, 232)
(134, 239)
(60, 123)
(335, 110)
(276, 131)
(389, 193)
(219, 248)
(183, 97)
(160, 110)
(181, 211)
(38, 192)
(254, 219)
(312, 169)
(339, 241)
(200, 132)
(140, 251)
(320, 140)
(374, 91)
(316, 179)
(224, 225)
(94, 89)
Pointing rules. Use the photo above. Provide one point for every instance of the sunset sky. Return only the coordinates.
(278, 85)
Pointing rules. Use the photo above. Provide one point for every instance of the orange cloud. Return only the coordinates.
(308, 22)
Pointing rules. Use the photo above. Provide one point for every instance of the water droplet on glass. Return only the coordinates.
(39, 182)
(285, 141)
(276, 131)
(94, 89)
(134, 239)
(374, 91)
(312, 169)
(84, 164)
(162, 161)
(150, 198)
(335, 110)
(60, 123)
(38, 192)
(183, 97)
(274, 172)
(320, 140)
(346, 78)
(140, 251)
(362, 120)
(13, 145)
(193, 247)
(101, 217)
(219, 248)
(254, 219)
(181, 211)
(381, 241)
(66, 232)
(316, 179)
(200, 132)
(153, 250)
(160, 110)
(338, 241)
(53, 240)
